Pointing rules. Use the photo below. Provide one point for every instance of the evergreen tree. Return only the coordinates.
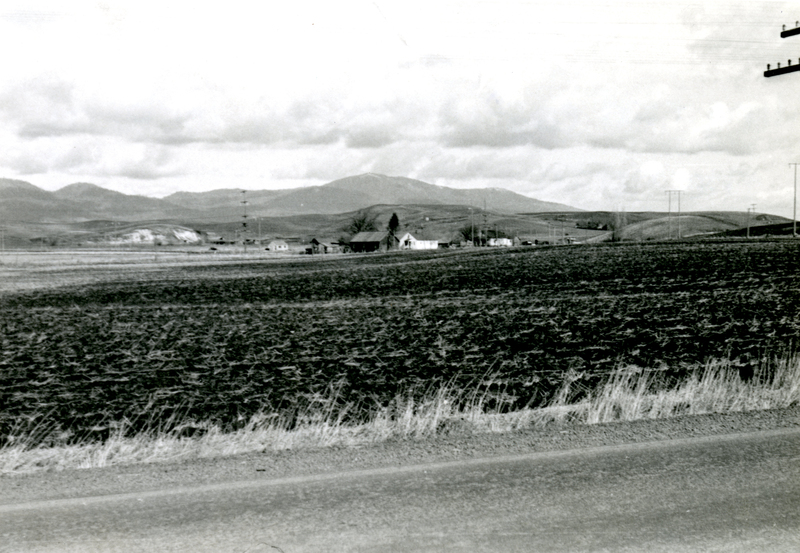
(394, 224)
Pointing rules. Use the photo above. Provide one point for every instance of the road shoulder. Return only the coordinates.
(454, 446)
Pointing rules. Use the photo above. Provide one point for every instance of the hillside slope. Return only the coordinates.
(354, 193)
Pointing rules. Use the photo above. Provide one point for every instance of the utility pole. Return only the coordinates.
(789, 67)
(669, 194)
(485, 226)
(750, 209)
(472, 227)
(669, 211)
(244, 222)
(794, 204)
(781, 71)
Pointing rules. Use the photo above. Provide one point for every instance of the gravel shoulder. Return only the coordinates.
(453, 446)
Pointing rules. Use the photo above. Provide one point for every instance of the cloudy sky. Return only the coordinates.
(598, 104)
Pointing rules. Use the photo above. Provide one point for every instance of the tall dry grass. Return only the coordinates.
(629, 394)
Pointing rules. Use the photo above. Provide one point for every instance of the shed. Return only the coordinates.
(318, 246)
(373, 242)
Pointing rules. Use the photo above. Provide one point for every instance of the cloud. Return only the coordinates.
(575, 102)
(487, 120)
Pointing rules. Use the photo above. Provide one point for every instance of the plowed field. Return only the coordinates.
(222, 343)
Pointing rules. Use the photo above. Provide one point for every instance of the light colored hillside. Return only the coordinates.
(685, 226)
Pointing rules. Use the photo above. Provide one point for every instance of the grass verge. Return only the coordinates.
(630, 393)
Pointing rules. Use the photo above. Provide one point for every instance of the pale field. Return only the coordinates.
(37, 269)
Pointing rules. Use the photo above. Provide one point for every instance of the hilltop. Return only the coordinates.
(354, 193)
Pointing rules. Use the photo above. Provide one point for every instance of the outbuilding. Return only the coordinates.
(318, 246)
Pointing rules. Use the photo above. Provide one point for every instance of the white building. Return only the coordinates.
(500, 242)
(278, 246)
(408, 242)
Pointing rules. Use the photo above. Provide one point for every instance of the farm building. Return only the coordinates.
(316, 246)
(373, 242)
(408, 242)
(500, 242)
(278, 246)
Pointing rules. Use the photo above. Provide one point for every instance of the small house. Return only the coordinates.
(500, 242)
(278, 246)
(408, 242)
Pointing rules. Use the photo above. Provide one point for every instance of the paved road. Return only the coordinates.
(738, 492)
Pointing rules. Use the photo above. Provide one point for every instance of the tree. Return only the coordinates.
(394, 224)
(362, 222)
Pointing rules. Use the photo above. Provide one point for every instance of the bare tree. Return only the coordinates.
(362, 222)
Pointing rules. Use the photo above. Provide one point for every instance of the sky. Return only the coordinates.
(597, 104)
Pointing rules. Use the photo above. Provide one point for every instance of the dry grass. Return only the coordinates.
(630, 394)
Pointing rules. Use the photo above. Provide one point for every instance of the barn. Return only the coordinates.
(373, 242)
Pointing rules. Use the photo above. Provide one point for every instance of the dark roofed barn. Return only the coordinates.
(373, 242)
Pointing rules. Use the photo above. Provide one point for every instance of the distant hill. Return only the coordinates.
(690, 225)
(116, 205)
(359, 192)
(22, 201)
(82, 212)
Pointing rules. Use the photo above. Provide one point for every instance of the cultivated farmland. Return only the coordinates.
(220, 343)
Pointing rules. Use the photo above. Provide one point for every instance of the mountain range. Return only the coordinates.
(22, 201)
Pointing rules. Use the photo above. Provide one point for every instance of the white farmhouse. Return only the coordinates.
(500, 242)
(278, 246)
(408, 242)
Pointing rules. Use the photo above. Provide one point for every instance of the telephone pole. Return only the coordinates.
(244, 222)
(751, 209)
(780, 71)
(472, 228)
(789, 68)
(794, 204)
(669, 194)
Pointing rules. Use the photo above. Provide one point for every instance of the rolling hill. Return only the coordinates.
(354, 193)
(83, 212)
(116, 205)
(22, 201)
